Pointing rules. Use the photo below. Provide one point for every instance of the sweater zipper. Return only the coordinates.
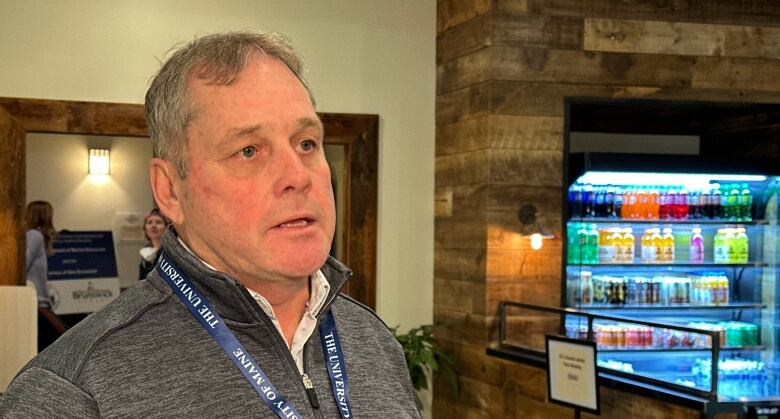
(305, 381)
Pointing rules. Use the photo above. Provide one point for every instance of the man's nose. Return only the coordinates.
(292, 173)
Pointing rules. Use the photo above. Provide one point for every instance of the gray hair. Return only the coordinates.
(218, 59)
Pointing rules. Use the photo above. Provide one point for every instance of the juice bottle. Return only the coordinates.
(723, 284)
(652, 204)
(741, 246)
(641, 203)
(628, 245)
(729, 242)
(606, 249)
(681, 205)
(586, 288)
(696, 246)
(671, 199)
(628, 206)
(648, 251)
(745, 204)
(657, 245)
(720, 252)
(667, 246)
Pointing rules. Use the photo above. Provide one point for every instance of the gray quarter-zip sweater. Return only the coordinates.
(144, 355)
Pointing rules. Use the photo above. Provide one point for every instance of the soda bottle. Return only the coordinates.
(694, 204)
(745, 204)
(652, 204)
(582, 241)
(741, 246)
(609, 202)
(733, 202)
(618, 202)
(593, 245)
(600, 209)
(667, 246)
(575, 201)
(641, 203)
(716, 202)
(696, 246)
(573, 249)
(588, 200)
(705, 203)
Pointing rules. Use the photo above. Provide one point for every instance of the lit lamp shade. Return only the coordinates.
(99, 161)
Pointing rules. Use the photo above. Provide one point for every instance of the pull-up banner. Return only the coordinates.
(82, 271)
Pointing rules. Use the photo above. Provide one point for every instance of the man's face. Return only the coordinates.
(257, 201)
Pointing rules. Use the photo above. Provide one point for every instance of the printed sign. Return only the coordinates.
(82, 271)
(572, 373)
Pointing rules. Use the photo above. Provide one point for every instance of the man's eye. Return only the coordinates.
(308, 145)
(248, 151)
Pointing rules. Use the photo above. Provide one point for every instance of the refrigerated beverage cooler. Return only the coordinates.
(682, 241)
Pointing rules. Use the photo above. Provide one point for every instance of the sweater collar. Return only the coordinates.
(227, 295)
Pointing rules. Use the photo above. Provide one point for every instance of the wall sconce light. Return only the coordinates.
(99, 161)
(530, 227)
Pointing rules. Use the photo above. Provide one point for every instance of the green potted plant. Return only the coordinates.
(424, 358)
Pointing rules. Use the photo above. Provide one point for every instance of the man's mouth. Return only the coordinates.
(301, 222)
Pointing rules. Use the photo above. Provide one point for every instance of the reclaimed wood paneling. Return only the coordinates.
(463, 169)
(465, 38)
(681, 38)
(462, 104)
(465, 296)
(12, 201)
(500, 131)
(737, 73)
(545, 65)
(454, 12)
(526, 167)
(537, 31)
(460, 264)
(464, 327)
(627, 9)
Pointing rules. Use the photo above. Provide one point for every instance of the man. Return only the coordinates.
(242, 316)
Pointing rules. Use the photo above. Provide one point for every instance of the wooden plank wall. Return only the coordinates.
(503, 69)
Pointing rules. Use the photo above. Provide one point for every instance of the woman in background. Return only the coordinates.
(154, 227)
(40, 239)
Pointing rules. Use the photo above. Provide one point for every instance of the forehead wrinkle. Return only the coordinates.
(304, 123)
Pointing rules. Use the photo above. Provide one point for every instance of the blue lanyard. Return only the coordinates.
(210, 320)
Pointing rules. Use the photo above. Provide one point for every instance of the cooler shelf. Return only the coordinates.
(729, 306)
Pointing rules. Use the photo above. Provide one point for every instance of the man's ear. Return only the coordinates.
(166, 186)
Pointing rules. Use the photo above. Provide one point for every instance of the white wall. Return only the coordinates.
(365, 56)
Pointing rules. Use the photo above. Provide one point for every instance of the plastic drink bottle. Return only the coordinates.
(588, 200)
(733, 202)
(681, 206)
(628, 245)
(573, 250)
(741, 246)
(652, 204)
(696, 246)
(657, 245)
(671, 199)
(745, 204)
(641, 205)
(593, 245)
(648, 253)
(582, 252)
(606, 249)
(729, 242)
(719, 252)
(627, 207)
(600, 209)
(667, 245)
(618, 202)
(575, 201)
(609, 202)
(716, 202)
(705, 203)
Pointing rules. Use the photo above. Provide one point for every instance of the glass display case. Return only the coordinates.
(691, 245)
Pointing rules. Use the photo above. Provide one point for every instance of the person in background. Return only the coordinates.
(40, 239)
(243, 314)
(154, 227)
